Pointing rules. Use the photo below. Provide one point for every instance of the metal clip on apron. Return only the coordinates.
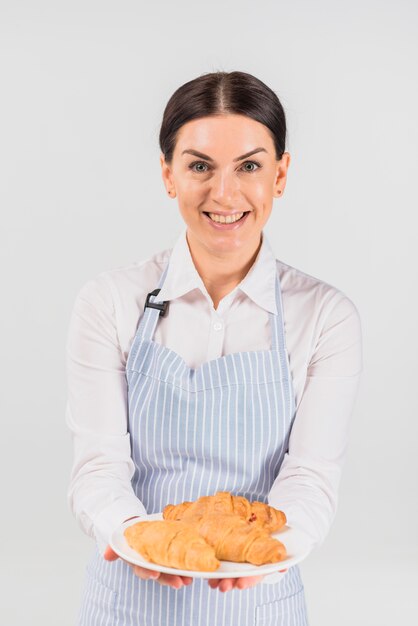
(222, 426)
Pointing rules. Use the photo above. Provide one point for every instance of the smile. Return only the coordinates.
(226, 222)
(225, 219)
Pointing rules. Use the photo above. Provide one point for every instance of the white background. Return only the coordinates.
(83, 87)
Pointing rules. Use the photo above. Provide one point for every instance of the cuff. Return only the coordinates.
(110, 518)
(300, 517)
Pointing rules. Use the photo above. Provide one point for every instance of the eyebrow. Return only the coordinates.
(208, 158)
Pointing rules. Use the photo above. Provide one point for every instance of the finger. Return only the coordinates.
(214, 582)
(187, 580)
(145, 574)
(170, 580)
(164, 579)
(248, 581)
(282, 570)
(226, 584)
(109, 554)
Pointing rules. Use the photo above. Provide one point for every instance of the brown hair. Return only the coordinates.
(218, 93)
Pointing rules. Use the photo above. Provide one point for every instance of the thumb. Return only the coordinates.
(109, 554)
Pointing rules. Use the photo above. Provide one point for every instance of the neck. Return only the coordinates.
(221, 273)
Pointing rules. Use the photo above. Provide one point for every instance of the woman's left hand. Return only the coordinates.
(226, 584)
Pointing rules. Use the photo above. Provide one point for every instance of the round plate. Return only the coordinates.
(297, 546)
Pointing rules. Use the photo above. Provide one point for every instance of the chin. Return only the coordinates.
(225, 244)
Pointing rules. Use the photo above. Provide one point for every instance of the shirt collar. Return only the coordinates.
(259, 283)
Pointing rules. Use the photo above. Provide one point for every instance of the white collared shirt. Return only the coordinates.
(323, 339)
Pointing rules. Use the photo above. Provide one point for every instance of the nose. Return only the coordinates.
(224, 188)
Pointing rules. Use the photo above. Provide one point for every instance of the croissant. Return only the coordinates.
(173, 544)
(234, 539)
(258, 514)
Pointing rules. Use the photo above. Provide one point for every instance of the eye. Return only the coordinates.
(252, 163)
(202, 163)
(191, 166)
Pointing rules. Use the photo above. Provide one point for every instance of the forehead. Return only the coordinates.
(224, 134)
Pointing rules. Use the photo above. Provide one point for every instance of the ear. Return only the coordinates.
(166, 173)
(281, 175)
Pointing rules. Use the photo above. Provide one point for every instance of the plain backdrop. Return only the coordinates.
(83, 88)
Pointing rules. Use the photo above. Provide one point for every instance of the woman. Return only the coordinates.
(210, 366)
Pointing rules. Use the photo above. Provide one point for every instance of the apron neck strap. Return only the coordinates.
(149, 319)
(278, 342)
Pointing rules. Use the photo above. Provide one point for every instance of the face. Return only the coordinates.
(225, 167)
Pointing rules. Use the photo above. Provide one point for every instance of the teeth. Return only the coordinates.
(228, 219)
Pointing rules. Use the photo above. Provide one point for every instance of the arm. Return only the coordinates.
(306, 488)
(100, 494)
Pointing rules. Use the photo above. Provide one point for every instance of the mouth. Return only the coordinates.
(226, 222)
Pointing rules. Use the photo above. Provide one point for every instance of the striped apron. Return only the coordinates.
(223, 426)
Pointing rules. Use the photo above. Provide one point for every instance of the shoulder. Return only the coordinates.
(324, 319)
(301, 291)
(126, 283)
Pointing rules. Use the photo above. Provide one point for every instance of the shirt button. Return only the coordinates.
(217, 326)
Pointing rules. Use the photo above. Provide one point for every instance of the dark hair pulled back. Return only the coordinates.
(220, 93)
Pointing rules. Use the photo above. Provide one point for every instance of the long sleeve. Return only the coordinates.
(100, 494)
(306, 488)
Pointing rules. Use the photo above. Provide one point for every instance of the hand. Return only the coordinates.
(164, 579)
(226, 584)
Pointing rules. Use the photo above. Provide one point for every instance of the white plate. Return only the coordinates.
(296, 543)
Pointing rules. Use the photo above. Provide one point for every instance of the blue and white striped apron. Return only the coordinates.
(222, 426)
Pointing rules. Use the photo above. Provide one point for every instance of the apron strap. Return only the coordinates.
(149, 319)
(278, 342)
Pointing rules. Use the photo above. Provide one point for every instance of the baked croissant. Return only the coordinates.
(258, 514)
(234, 539)
(173, 544)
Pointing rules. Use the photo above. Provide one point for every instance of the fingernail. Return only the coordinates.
(154, 576)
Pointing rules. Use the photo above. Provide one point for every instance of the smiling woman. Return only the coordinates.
(243, 384)
(225, 197)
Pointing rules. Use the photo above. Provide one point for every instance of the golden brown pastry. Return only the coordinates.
(173, 544)
(267, 517)
(258, 514)
(234, 539)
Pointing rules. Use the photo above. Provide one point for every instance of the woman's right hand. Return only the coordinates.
(164, 579)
